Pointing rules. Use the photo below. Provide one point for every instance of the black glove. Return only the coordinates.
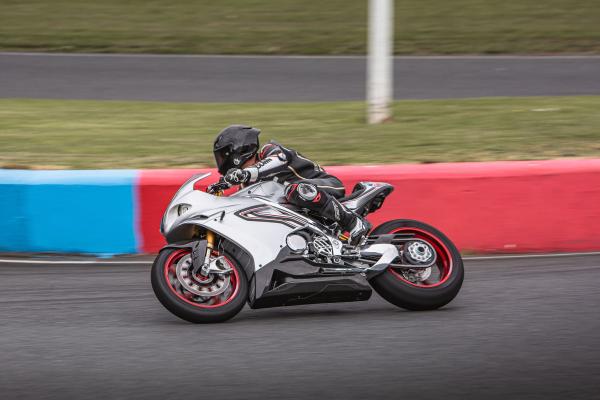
(217, 187)
(237, 176)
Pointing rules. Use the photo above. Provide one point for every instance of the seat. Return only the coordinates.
(367, 197)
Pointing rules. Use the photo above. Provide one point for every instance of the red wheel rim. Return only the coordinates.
(444, 257)
(217, 301)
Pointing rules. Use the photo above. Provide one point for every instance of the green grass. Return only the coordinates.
(297, 26)
(106, 134)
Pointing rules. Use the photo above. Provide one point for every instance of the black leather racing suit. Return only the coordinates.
(307, 184)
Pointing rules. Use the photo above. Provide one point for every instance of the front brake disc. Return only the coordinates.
(213, 285)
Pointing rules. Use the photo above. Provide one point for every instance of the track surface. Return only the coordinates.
(521, 328)
(245, 79)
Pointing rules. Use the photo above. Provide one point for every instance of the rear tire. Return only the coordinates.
(186, 308)
(393, 286)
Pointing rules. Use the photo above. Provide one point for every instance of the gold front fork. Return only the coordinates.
(210, 239)
(210, 244)
(210, 235)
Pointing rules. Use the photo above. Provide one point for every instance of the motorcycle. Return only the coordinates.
(252, 246)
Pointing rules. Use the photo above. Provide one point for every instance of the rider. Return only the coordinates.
(307, 184)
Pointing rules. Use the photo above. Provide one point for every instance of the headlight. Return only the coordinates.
(183, 208)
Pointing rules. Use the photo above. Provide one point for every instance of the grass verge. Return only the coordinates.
(107, 134)
(297, 27)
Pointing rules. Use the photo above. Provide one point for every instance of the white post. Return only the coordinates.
(380, 61)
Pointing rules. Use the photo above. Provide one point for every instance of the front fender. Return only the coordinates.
(198, 248)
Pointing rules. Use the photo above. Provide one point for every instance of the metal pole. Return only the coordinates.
(380, 61)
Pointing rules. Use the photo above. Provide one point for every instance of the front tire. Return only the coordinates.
(197, 309)
(434, 292)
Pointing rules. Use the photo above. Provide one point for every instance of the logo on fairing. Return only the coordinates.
(265, 213)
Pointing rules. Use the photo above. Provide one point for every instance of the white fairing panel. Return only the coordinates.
(267, 190)
(248, 218)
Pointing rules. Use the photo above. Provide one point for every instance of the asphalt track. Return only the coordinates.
(522, 328)
(293, 78)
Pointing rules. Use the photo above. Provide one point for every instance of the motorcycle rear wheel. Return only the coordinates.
(395, 286)
(179, 301)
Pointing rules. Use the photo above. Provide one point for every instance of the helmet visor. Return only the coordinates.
(223, 159)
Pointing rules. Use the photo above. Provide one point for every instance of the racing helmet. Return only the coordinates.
(235, 145)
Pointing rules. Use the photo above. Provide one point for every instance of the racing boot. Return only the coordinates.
(352, 223)
(358, 230)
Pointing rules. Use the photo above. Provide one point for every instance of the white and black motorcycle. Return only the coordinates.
(253, 247)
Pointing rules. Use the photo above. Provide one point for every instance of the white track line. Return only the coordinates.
(148, 262)
(552, 255)
(72, 262)
(325, 57)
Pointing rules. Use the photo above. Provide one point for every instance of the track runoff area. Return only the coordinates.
(146, 260)
(523, 326)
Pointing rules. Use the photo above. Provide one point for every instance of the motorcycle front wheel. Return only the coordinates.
(194, 298)
(421, 289)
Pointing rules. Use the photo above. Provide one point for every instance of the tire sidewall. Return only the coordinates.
(405, 295)
(188, 312)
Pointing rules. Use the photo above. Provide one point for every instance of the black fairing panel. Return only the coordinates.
(292, 280)
(241, 256)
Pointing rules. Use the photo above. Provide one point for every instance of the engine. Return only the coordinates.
(319, 247)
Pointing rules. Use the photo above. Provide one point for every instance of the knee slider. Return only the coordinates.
(307, 191)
